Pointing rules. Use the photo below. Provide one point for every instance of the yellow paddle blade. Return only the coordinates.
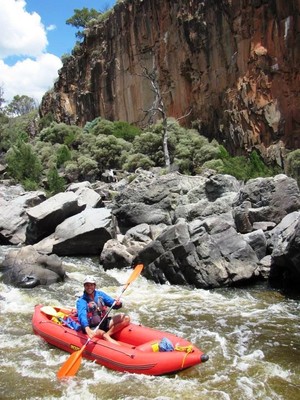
(49, 310)
(135, 273)
(71, 366)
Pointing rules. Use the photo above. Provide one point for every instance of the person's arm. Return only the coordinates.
(82, 312)
(109, 301)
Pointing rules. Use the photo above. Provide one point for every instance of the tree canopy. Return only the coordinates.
(21, 105)
(81, 18)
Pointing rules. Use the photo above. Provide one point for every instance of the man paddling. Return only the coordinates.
(91, 308)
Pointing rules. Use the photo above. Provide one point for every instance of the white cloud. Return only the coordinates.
(30, 77)
(51, 27)
(23, 34)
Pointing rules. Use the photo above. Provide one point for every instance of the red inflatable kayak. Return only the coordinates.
(138, 352)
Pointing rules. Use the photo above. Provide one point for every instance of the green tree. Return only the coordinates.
(109, 152)
(102, 127)
(21, 105)
(150, 144)
(87, 168)
(56, 183)
(119, 129)
(134, 161)
(23, 164)
(63, 154)
(60, 133)
(81, 18)
(126, 131)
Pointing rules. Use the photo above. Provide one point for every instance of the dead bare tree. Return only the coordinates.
(158, 107)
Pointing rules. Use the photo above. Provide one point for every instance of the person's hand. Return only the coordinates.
(118, 304)
(90, 332)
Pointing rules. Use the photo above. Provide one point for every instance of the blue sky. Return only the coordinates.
(34, 36)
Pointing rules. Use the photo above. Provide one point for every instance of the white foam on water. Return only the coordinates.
(216, 395)
(235, 327)
(220, 342)
(248, 387)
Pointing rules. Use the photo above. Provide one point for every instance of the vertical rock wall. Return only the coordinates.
(231, 67)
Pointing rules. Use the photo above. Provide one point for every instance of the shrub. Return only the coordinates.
(46, 153)
(101, 126)
(293, 165)
(126, 131)
(60, 133)
(245, 168)
(72, 171)
(63, 154)
(23, 164)
(109, 152)
(139, 160)
(216, 165)
(149, 144)
(88, 168)
(29, 185)
(56, 184)
(46, 121)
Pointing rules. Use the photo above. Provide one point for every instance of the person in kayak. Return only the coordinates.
(91, 309)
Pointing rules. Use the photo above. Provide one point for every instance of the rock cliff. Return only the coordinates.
(230, 67)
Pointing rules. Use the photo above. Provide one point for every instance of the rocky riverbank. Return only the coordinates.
(207, 231)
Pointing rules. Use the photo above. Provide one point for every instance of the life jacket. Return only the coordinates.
(96, 312)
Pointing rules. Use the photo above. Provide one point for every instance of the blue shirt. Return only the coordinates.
(83, 301)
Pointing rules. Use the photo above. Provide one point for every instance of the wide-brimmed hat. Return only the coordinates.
(89, 279)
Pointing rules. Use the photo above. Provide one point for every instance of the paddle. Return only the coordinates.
(71, 366)
(49, 310)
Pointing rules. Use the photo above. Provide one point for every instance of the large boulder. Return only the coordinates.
(120, 252)
(82, 234)
(86, 195)
(265, 199)
(284, 241)
(163, 199)
(44, 218)
(25, 267)
(14, 202)
(205, 254)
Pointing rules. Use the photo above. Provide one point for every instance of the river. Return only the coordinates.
(251, 335)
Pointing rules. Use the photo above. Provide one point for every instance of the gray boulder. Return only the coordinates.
(82, 234)
(115, 255)
(265, 199)
(14, 202)
(27, 268)
(257, 240)
(86, 195)
(155, 199)
(120, 252)
(285, 244)
(44, 218)
(213, 255)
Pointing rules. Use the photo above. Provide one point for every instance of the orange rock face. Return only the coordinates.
(231, 67)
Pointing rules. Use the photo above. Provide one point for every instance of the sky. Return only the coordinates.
(34, 36)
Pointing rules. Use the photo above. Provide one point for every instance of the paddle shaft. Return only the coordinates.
(71, 366)
(112, 306)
